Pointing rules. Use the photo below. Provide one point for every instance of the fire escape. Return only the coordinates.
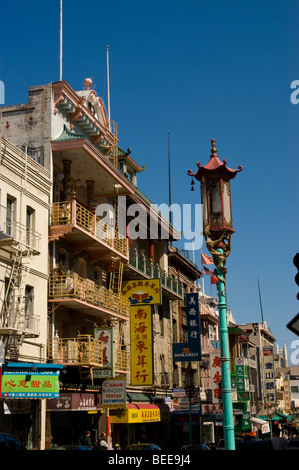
(17, 321)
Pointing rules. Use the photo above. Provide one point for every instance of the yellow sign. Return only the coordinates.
(141, 345)
(142, 292)
(135, 415)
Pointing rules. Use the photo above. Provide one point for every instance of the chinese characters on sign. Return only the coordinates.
(215, 366)
(30, 385)
(142, 292)
(141, 346)
(214, 410)
(242, 394)
(269, 376)
(134, 415)
(106, 335)
(190, 351)
(287, 395)
(240, 374)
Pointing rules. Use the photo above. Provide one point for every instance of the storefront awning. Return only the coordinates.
(277, 417)
(258, 420)
(140, 413)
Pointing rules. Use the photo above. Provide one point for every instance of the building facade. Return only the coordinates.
(24, 210)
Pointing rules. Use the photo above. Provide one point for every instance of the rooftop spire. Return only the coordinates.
(213, 149)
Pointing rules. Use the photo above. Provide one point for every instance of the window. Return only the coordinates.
(294, 389)
(36, 154)
(29, 297)
(30, 216)
(10, 215)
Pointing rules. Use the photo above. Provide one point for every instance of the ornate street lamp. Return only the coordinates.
(215, 179)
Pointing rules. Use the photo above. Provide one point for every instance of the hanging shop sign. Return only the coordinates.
(242, 394)
(106, 335)
(142, 292)
(212, 411)
(114, 392)
(269, 375)
(190, 351)
(30, 384)
(141, 332)
(75, 402)
(287, 395)
(215, 368)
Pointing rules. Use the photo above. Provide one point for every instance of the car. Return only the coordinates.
(220, 445)
(143, 446)
(69, 447)
(8, 442)
(253, 444)
(189, 447)
(294, 444)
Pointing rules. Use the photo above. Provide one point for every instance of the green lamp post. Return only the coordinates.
(215, 179)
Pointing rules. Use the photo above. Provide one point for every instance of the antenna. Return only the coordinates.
(258, 283)
(169, 177)
(108, 84)
(60, 47)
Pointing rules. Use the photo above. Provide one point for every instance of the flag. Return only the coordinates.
(207, 271)
(213, 280)
(205, 259)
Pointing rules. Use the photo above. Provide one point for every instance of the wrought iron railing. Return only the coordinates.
(73, 286)
(146, 266)
(84, 350)
(73, 213)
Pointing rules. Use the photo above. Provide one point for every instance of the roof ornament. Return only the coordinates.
(87, 83)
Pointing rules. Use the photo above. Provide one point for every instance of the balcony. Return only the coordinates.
(86, 296)
(20, 323)
(209, 313)
(146, 268)
(73, 221)
(81, 351)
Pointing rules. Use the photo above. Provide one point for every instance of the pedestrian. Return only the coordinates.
(102, 444)
(277, 442)
(85, 440)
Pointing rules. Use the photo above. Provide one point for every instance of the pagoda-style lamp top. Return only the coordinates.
(215, 179)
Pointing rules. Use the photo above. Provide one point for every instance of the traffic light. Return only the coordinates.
(296, 263)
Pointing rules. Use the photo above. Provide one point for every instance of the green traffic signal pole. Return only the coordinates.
(227, 404)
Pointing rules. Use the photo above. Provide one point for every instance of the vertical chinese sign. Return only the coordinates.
(269, 376)
(190, 351)
(106, 335)
(141, 346)
(287, 395)
(215, 368)
(142, 295)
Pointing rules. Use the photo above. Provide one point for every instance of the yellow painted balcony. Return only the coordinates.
(84, 350)
(73, 221)
(71, 289)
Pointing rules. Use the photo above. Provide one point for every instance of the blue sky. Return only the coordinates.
(199, 70)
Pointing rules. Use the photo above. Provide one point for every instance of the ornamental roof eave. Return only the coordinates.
(215, 165)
